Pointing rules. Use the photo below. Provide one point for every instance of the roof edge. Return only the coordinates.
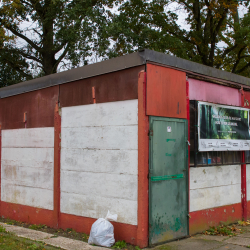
(120, 63)
(186, 65)
(100, 68)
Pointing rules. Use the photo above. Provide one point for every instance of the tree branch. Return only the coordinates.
(15, 32)
(226, 51)
(238, 59)
(62, 55)
(29, 56)
(242, 69)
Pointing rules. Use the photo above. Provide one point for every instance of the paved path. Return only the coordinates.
(198, 242)
(209, 242)
(62, 242)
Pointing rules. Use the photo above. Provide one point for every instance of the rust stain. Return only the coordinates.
(39, 105)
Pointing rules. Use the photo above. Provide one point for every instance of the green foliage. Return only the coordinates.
(212, 34)
(61, 33)
(64, 34)
(33, 247)
(120, 245)
(10, 241)
(37, 227)
(221, 230)
(2, 229)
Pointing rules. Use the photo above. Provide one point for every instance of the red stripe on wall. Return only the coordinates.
(188, 119)
(143, 156)
(57, 163)
(0, 165)
(27, 214)
(248, 209)
(83, 224)
(203, 219)
(243, 174)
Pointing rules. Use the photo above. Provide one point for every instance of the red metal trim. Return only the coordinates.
(93, 94)
(143, 156)
(0, 166)
(83, 224)
(243, 187)
(188, 119)
(57, 157)
(203, 219)
(243, 174)
(248, 209)
(27, 214)
(166, 92)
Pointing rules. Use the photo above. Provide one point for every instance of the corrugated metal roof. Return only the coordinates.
(120, 63)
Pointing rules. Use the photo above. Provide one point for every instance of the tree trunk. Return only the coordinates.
(48, 55)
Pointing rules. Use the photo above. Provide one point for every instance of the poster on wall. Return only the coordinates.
(222, 128)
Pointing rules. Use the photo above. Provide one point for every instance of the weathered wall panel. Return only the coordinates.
(212, 187)
(28, 138)
(39, 106)
(27, 167)
(116, 161)
(166, 92)
(116, 86)
(210, 92)
(99, 160)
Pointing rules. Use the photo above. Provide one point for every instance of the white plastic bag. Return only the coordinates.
(102, 231)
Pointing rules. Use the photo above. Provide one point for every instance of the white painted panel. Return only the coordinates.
(29, 157)
(30, 196)
(112, 137)
(28, 167)
(205, 177)
(28, 138)
(205, 198)
(97, 206)
(100, 184)
(27, 176)
(248, 181)
(102, 114)
(100, 161)
(214, 186)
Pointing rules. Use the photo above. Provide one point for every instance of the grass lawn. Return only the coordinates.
(9, 241)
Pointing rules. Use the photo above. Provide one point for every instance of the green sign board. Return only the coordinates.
(222, 128)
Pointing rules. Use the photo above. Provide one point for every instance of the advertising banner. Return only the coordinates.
(222, 128)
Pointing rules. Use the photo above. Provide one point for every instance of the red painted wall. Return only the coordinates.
(210, 92)
(39, 105)
(112, 87)
(166, 92)
(203, 219)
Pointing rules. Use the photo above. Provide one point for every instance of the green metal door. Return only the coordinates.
(168, 179)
